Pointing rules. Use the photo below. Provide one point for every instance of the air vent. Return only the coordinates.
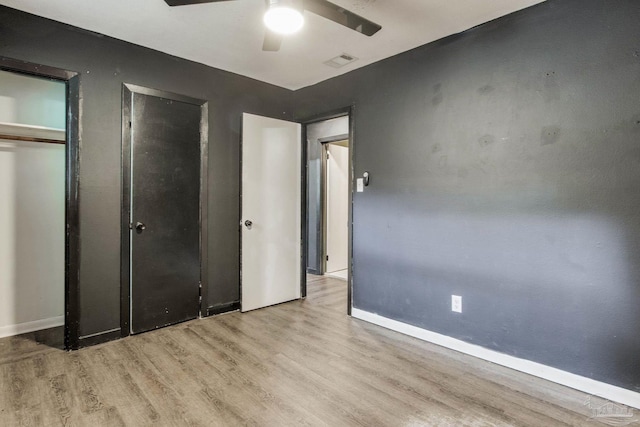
(341, 61)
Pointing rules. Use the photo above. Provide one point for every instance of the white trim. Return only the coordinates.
(36, 325)
(587, 385)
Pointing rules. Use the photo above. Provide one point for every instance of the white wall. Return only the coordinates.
(32, 236)
(32, 206)
(32, 101)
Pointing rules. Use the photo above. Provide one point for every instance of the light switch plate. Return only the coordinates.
(456, 303)
(360, 185)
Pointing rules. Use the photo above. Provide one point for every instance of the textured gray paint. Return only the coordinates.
(106, 64)
(315, 132)
(505, 165)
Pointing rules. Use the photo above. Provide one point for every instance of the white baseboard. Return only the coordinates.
(36, 325)
(587, 385)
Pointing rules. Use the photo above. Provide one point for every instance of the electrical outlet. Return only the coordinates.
(456, 303)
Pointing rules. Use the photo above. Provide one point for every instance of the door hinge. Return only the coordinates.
(327, 257)
(327, 156)
(129, 124)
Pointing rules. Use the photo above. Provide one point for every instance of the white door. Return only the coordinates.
(271, 211)
(337, 206)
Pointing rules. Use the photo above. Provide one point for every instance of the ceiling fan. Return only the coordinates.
(284, 17)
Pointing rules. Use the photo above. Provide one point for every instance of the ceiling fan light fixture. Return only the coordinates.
(282, 18)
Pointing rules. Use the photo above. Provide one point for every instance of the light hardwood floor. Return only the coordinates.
(299, 363)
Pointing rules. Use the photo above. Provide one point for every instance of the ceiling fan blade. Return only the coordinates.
(272, 41)
(342, 16)
(186, 2)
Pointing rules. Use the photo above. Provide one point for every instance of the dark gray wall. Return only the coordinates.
(315, 132)
(505, 168)
(105, 64)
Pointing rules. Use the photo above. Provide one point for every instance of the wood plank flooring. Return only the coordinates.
(301, 363)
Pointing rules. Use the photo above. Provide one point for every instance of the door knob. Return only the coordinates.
(248, 224)
(140, 227)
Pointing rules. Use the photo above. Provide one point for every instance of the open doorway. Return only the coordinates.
(39, 110)
(328, 213)
(32, 205)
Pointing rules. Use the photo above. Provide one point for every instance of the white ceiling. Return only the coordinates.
(228, 35)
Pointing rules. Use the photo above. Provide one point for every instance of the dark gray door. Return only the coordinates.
(165, 212)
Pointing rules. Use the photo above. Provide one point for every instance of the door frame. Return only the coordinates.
(125, 250)
(340, 112)
(71, 79)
